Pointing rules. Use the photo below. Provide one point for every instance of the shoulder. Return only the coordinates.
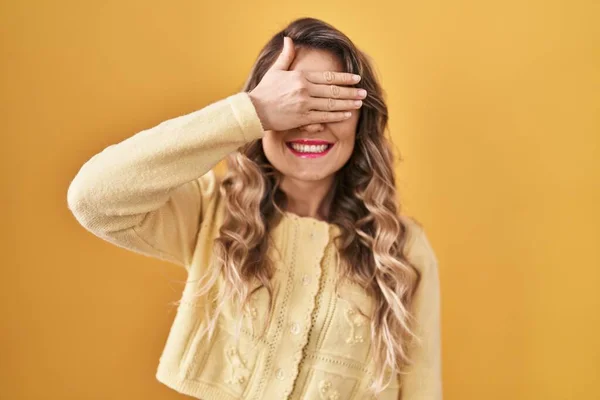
(417, 248)
(209, 186)
(209, 183)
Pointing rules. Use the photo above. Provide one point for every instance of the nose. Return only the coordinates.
(312, 127)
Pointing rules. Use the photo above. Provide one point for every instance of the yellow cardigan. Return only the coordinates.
(155, 193)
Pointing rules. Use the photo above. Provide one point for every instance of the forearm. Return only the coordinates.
(119, 185)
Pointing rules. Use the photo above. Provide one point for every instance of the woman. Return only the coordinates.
(304, 281)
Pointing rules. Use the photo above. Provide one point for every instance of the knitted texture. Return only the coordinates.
(155, 193)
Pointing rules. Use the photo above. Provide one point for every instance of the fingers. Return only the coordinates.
(333, 104)
(315, 117)
(332, 98)
(336, 92)
(286, 56)
(332, 78)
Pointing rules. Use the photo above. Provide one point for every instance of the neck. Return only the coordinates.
(308, 198)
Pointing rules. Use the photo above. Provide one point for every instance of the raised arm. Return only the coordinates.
(148, 192)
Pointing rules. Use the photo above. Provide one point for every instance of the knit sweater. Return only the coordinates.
(156, 193)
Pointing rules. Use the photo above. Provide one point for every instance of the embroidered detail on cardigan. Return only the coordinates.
(239, 371)
(326, 392)
(251, 313)
(355, 320)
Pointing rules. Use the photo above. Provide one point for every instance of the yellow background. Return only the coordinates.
(495, 109)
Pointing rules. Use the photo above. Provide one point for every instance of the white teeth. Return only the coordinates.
(303, 148)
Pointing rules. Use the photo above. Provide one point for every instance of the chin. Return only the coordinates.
(309, 176)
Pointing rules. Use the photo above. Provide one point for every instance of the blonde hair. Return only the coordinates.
(365, 208)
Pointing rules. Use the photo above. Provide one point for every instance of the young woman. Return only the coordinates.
(304, 280)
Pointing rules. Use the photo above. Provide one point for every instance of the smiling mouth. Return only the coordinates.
(309, 148)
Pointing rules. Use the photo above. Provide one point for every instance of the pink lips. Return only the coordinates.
(309, 142)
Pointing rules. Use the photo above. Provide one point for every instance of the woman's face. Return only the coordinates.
(312, 152)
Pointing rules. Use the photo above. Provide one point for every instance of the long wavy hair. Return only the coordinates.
(365, 207)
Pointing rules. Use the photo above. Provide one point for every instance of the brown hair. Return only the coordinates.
(365, 206)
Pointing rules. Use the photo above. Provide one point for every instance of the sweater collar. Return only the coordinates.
(310, 223)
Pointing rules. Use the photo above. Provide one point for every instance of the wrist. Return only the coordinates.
(259, 110)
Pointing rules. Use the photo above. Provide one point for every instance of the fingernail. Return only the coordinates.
(347, 114)
(358, 103)
(356, 78)
(362, 92)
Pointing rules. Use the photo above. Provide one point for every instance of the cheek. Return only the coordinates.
(345, 134)
(272, 146)
(346, 149)
(347, 141)
(270, 140)
(346, 130)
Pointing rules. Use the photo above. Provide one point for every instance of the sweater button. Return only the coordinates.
(295, 329)
(279, 374)
(305, 279)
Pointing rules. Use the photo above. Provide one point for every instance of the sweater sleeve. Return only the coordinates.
(148, 192)
(424, 380)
